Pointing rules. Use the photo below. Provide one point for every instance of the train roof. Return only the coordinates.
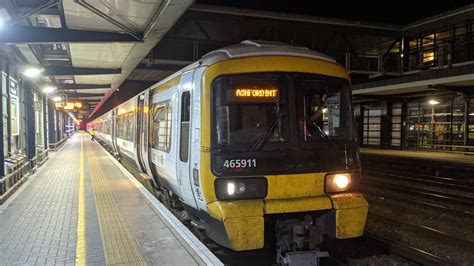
(258, 48)
(249, 48)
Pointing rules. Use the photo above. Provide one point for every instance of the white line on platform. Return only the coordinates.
(203, 252)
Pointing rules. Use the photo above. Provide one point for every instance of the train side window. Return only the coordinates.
(185, 117)
(162, 126)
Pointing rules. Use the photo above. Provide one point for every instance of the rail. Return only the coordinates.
(411, 253)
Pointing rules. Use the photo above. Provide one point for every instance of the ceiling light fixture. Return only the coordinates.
(433, 102)
(48, 89)
(32, 71)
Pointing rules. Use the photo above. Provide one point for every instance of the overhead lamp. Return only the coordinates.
(433, 102)
(56, 98)
(48, 89)
(32, 71)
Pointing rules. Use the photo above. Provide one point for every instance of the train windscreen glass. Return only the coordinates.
(323, 109)
(249, 108)
(271, 109)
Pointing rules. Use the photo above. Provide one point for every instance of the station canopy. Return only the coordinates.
(87, 48)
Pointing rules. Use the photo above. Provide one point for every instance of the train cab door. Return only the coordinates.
(183, 165)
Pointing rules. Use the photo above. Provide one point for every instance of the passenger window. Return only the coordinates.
(185, 118)
(162, 126)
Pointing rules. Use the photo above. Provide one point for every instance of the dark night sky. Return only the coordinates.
(396, 12)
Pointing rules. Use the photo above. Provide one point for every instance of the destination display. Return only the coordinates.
(254, 94)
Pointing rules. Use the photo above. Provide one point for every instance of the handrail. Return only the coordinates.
(19, 171)
(56, 146)
(12, 180)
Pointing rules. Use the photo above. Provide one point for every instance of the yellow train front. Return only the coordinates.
(277, 148)
(253, 142)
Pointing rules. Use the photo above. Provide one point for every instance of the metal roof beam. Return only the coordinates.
(15, 34)
(67, 86)
(36, 10)
(64, 71)
(160, 67)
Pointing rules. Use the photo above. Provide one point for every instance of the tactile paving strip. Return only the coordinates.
(119, 245)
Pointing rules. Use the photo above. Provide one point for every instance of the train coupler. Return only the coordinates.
(310, 258)
(298, 242)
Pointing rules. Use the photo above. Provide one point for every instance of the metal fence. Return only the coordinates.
(18, 167)
(56, 146)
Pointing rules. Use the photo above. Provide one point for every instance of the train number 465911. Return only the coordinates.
(240, 163)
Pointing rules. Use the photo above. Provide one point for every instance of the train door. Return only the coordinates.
(139, 133)
(114, 130)
(142, 131)
(184, 148)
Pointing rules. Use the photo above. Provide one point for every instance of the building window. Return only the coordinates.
(162, 117)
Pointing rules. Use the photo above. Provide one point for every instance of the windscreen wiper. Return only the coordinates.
(262, 139)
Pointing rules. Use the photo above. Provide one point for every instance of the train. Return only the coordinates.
(254, 144)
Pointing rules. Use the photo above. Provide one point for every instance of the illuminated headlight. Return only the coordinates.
(241, 188)
(342, 182)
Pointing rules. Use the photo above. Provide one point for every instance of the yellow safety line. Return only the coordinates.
(81, 219)
(117, 239)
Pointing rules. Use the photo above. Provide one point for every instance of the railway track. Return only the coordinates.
(444, 182)
(437, 193)
(463, 201)
(410, 253)
(425, 245)
(423, 228)
(450, 209)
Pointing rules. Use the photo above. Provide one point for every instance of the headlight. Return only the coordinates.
(342, 182)
(241, 188)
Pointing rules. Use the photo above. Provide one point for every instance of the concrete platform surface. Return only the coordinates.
(418, 154)
(82, 207)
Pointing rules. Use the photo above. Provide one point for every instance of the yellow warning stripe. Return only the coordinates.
(119, 244)
(81, 219)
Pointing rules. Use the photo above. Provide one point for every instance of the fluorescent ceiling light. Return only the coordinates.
(48, 89)
(433, 102)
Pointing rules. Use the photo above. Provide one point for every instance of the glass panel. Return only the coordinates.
(162, 126)
(252, 110)
(185, 116)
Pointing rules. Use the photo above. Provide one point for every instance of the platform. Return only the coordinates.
(417, 154)
(82, 207)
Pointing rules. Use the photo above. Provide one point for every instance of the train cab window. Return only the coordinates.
(185, 118)
(250, 110)
(162, 116)
(323, 109)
